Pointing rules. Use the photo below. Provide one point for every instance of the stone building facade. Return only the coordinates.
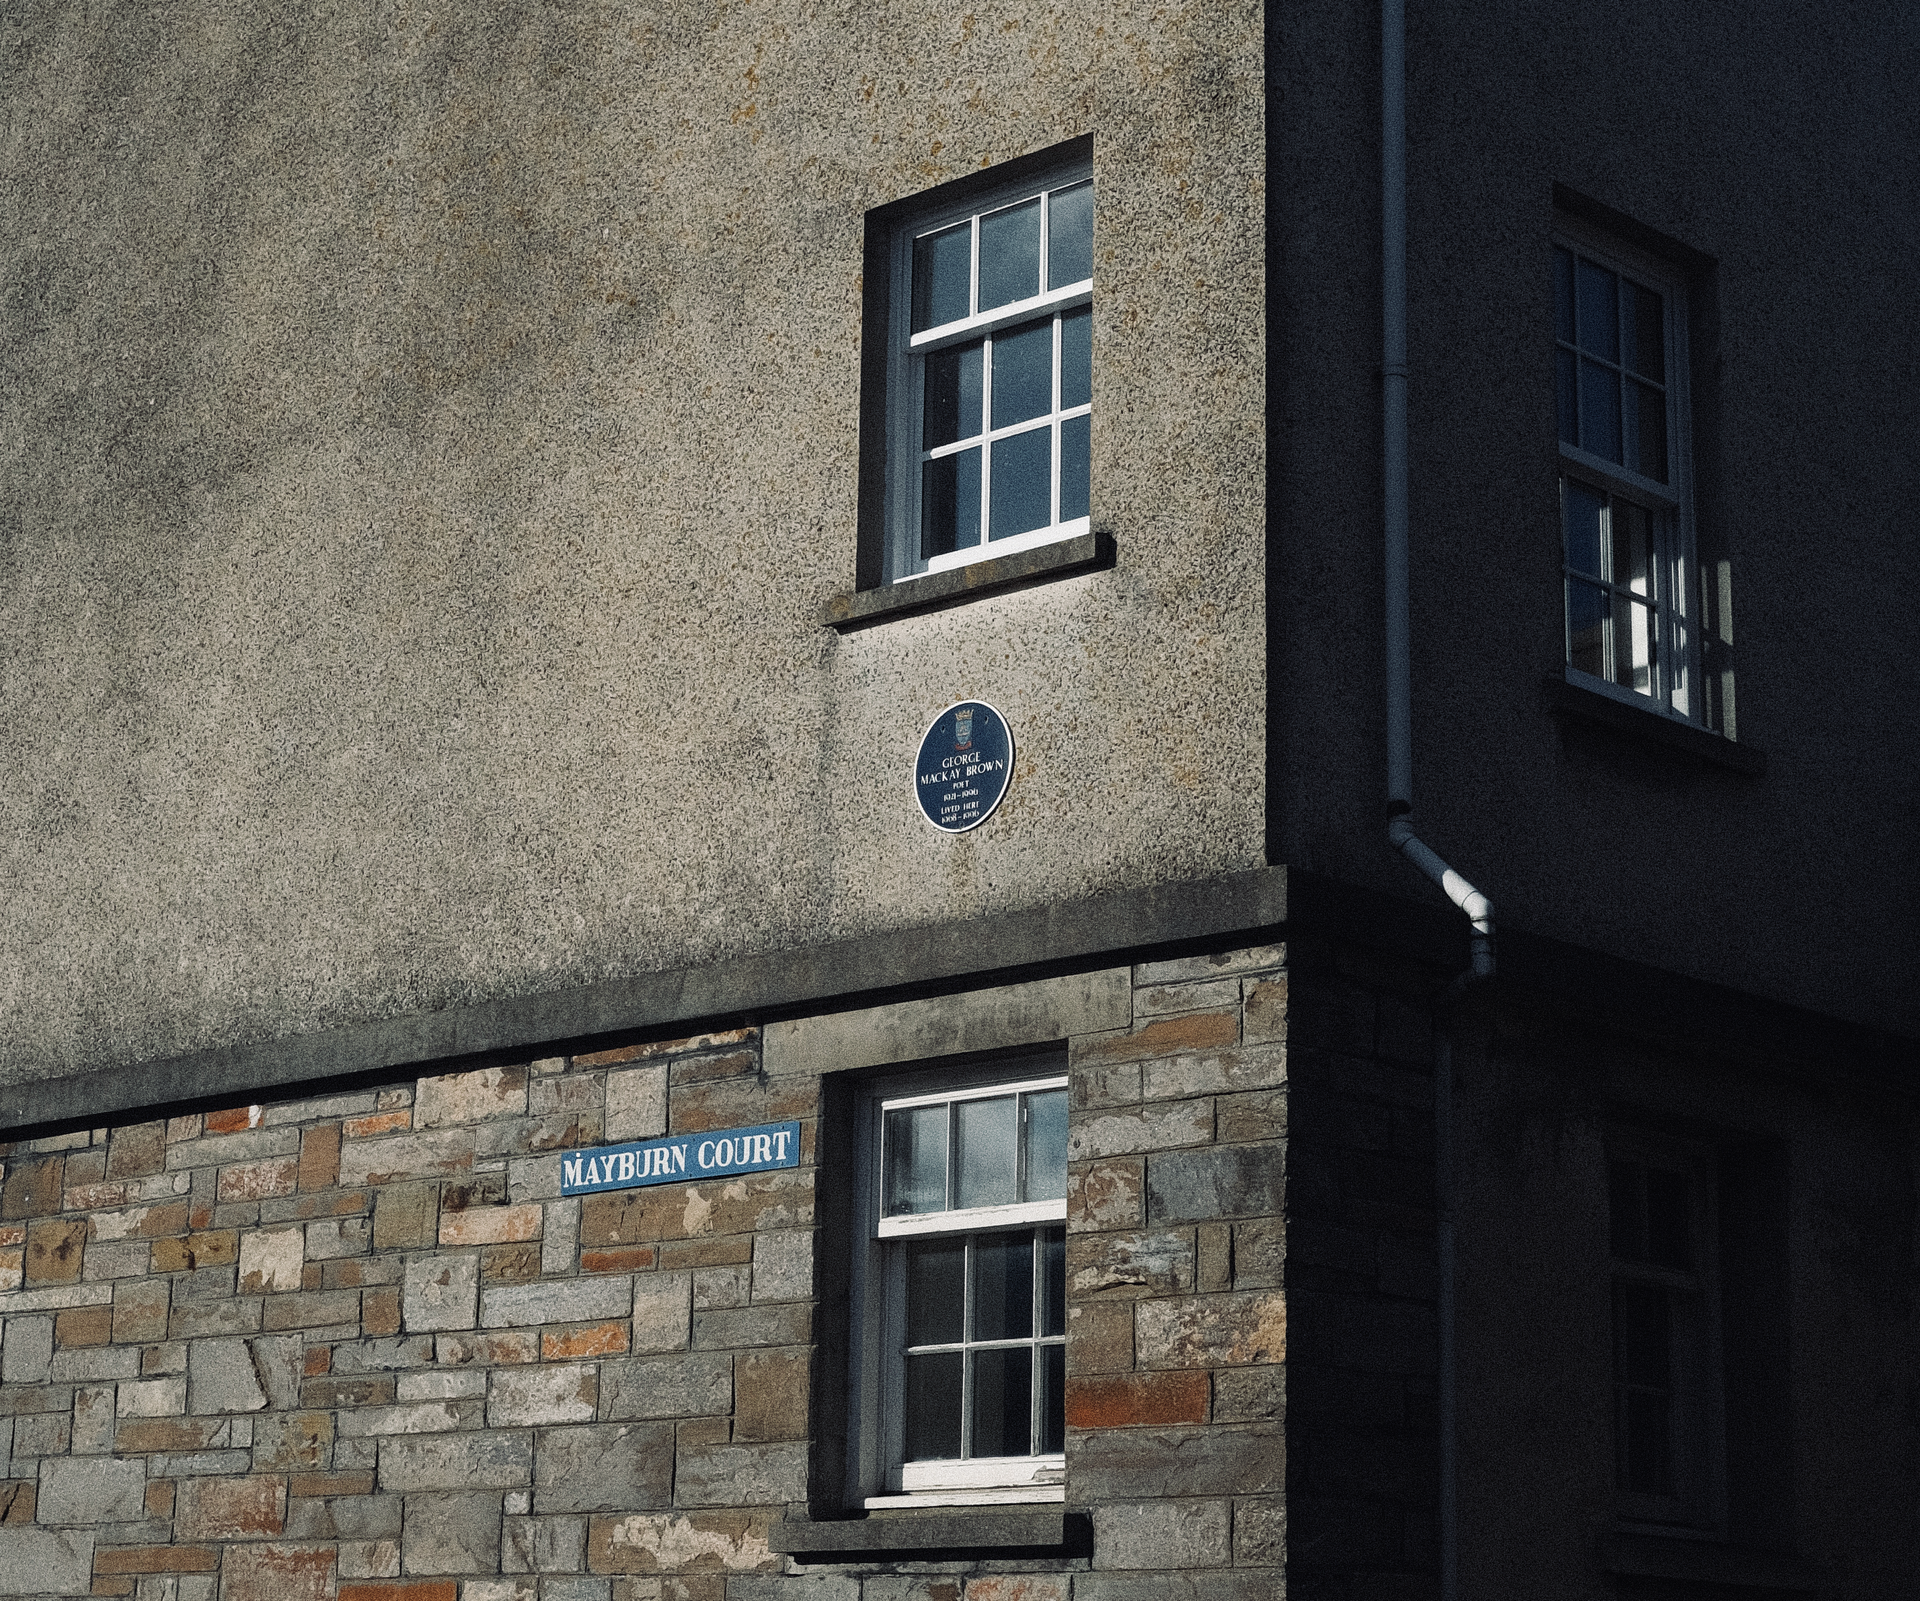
(494, 499)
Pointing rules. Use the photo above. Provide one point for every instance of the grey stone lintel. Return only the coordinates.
(753, 988)
(960, 1529)
(932, 591)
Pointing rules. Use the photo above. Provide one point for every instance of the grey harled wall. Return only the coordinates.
(431, 443)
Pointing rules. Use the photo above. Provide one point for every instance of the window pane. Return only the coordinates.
(1646, 340)
(942, 271)
(1022, 483)
(1599, 312)
(1645, 1443)
(1003, 1402)
(936, 1287)
(952, 409)
(1047, 1137)
(1003, 1287)
(1566, 396)
(950, 503)
(1010, 254)
(1632, 542)
(1076, 359)
(1070, 236)
(1642, 1349)
(1669, 1234)
(985, 1133)
(1633, 643)
(1646, 431)
(1053, 1281)
(1599, 410)
(933, 1407)
(916, 1141)
(1626, 1194)
(1076, 449)
(1584, 509)
(1023, 374)
(1563, 295)
(1588, 620)
(1053, 1406)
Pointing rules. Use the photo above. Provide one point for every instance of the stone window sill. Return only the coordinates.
(1570, 701)
(934, 591)
(1655, 1556)
(1040, 1532)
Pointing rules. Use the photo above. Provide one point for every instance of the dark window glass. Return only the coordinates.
(933, 1406)
(1023, 374)
(1003, 1402)
(1647, 333)
(1070, 236)
(952, 408)
(1010, 254)
(949, 521)
(942, 274)
(1003, 1287)
(1599, 312)
(1053, 1409)
(1566, 395)
(1076, 359)
(1599, 410)
(1643, 1387)
(1563, 295)
(1053, 1281)
(1076, 454)
(936, 1282)
(1022, 483)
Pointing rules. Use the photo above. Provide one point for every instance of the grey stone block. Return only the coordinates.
(42, 1434)
(334, 1237)
(95, 1363)
(451, 1533)
(740, 1475)
(27, 1353)
(1222, 964)
(783, 1265)
(549, 1393)
(575, 1588)
(790, 1323)
(200, 1464)
(91, 1490)
(544, 1545)
(604, 1468)
(1250, 1395)
(572, 1301)
(1160, 1262)
(221, 1378)
(721, 1286)
(1246, 1067)
(94, 1408)
(456, 1384)
(344, 1517)
(1218, 1584)
(533, 1178)
(207, 1284)
(1142, 1464)
(560, 1236)
(1162, 1534)
(995, 1019)
(440, 1293)
(207, 1319)
(117, 1259)
(382, 1356)
(662, 1311)
(37, 1561)
(1260, 1532)
(1226, 1181)
(277, 1360)
(636, 1106)
(455, 1461)
(1237, 1329)
(1092, 1135)
(696, 1385)
(799, 1587)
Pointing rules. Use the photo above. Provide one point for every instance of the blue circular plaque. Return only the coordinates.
(965, 765)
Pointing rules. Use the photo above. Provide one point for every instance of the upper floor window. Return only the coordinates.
(990, 374)
(1633, 592)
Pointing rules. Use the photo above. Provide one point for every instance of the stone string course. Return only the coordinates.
(358, 1348)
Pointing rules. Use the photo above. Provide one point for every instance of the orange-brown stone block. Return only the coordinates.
(1128, 1400)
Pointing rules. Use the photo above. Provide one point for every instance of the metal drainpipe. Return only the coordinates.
(1400, 834)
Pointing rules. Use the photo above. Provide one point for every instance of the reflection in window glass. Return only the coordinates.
(942, 277)
(1070, 236)
(916, 1141)
(1046, 1145)
(1010, 255)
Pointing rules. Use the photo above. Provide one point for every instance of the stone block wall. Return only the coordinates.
(357, 1347)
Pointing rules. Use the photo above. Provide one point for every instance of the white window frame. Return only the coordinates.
(906, 385)
(1697, 1427)
(1676, 607)
(881, 1477)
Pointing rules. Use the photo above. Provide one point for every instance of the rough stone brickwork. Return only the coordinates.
(1361, 1282)
(358, 1348)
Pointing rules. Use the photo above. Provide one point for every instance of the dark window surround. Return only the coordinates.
(997, 575)
(1046, 1532)
(1573, 702)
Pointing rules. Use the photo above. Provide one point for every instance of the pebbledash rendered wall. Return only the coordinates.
(357, 1346)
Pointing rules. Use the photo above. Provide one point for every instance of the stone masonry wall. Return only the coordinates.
(358, 1348)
